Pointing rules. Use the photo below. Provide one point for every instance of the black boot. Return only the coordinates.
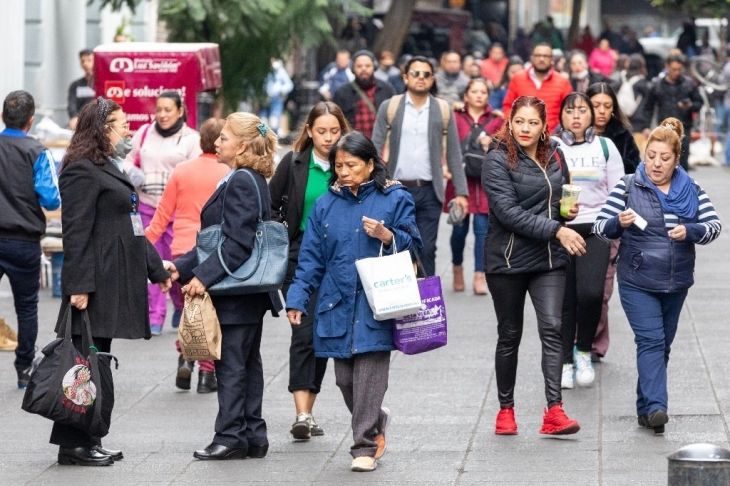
(207, 382)
(184, 372)
(83, 456)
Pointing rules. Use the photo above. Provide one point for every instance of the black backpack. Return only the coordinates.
(472, 153)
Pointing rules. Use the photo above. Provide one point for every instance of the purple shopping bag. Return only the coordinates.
(426, 329)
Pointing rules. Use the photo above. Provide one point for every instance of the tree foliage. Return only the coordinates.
(250, 32)
(709, 7)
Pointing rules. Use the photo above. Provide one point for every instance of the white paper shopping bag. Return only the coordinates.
(390, 284)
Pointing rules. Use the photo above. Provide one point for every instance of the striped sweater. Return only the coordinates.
(706, 230)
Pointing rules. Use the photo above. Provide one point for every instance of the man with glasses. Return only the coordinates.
(417, 136)
(542, 81)
(28, 183)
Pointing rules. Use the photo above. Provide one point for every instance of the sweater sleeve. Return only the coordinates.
(607, 226)
(708, 226)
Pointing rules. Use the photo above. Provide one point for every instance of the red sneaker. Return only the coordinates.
(506, 424)
(555, 422)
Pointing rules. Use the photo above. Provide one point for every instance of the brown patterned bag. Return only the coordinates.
(199, 331)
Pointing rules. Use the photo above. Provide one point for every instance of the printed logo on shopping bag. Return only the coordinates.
(79, 392)
(393, 282)
(193, 332)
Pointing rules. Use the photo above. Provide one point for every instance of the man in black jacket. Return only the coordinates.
(674, 95)
(28, 182)
(361, 98)
(81, 91)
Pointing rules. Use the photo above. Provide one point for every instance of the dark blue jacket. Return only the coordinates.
(649, 259)
(334, 239)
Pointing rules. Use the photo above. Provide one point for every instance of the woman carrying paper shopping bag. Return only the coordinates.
(361, 211)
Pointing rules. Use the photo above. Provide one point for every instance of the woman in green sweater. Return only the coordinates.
(301, 177)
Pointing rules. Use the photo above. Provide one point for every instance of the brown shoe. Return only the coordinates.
(480, 283)
(458, 278)
(7, 344)
(7, 331)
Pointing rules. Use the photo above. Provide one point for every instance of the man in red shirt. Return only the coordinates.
(542, 81)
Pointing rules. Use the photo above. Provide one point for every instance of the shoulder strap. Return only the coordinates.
(363, 97)
(445, 110)
(604, 147)
(393, 104)
(256, 186)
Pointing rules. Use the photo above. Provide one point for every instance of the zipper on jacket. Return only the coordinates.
(550, 206)
(508, 250)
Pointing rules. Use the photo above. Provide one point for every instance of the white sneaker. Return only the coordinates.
(364, 464)
(584, 373)
(567, 380)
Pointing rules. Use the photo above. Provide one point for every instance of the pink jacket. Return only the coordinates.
(602, 61)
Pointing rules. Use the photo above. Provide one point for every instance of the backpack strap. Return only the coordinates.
(138, 156)
(445, 110)
(393, 104)
(604, 147)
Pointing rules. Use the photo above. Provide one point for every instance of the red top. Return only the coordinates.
(552, 91)
(493, 71)
(478, 202)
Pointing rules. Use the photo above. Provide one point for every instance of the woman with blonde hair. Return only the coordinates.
(659, 213)
(245, 144)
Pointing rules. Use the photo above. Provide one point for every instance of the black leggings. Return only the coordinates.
(584, 283)
(508, 294)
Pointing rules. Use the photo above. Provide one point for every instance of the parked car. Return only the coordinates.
(656, 49)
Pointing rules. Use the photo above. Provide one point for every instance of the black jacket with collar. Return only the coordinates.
(664, 96)
(241, 213)
(524, 212)
(101, 255)
(346, 97)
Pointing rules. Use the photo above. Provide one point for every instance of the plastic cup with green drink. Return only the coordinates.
(569, 199)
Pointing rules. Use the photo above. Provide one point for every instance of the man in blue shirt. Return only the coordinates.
(29, 183)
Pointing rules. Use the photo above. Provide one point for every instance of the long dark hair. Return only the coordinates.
(618, 118)
(504, 136)
(569, 102)
(360, 146)
(304, 141)
(91, 138)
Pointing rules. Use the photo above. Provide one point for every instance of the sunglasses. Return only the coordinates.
(418, 74)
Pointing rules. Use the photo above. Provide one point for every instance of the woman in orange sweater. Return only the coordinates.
(190, 186)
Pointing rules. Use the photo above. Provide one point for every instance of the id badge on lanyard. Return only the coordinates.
(134, 216)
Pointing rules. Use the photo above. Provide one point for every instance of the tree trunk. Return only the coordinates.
(396, 24)
(574, 24)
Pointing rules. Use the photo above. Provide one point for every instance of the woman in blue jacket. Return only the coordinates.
(361, 212)
(656, 257)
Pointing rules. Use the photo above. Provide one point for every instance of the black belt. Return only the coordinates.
(416, 183)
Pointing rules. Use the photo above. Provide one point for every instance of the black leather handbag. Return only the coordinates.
(265, 269)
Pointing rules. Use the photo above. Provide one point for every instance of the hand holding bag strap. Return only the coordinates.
(258, 233)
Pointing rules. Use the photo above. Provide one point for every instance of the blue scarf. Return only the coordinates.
(682, 199)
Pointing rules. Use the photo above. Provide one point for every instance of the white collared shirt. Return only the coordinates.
(414, 156)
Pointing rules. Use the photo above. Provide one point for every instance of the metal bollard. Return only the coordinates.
(699, 465)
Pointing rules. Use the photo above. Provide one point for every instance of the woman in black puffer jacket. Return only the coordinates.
(526, 252)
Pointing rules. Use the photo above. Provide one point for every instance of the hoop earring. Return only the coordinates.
(543, 136)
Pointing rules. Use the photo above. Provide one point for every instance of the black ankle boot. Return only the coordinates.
(184, 372)
(207, 382)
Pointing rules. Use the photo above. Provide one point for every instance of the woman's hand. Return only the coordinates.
(571, 241)
(484, 141)
(678, 233)
(626, 218)
(294, 316)
(165, 285)
(376, 229)
(170, 267)
(80, 301)
(194, 287)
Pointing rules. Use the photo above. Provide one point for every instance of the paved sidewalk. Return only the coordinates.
(443, 402)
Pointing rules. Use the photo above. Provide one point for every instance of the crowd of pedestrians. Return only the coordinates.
(391, 146)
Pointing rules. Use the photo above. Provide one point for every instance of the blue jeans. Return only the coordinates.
(273, 112)
(653, 317)
(21, 261)
(428, 213)
(458, 240)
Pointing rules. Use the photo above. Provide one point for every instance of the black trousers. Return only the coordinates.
(306, 371)
(240, 387)
(65, 435)
(584, 284)
(428, 214)
(508, 294)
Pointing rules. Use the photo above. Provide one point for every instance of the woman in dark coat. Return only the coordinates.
(300, 179)
(244, 143)
(107, 259)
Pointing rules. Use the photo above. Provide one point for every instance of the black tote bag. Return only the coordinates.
(71, 388)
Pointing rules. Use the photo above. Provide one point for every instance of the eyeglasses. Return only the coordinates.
(418, 74)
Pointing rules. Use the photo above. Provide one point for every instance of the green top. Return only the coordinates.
(317, 184)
